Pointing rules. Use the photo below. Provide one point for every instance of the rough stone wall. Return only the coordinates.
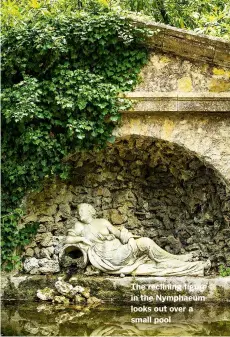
(152, 187)
(167, 73)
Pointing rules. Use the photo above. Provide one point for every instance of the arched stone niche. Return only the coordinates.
(206, 134)
(153, 187)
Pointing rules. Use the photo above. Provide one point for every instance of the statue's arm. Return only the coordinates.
(123, 235)
(75, 234)
(113, 230)
(77, 239)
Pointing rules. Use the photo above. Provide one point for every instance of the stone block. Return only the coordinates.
(204, 105)
(144, 106)
(188, 48)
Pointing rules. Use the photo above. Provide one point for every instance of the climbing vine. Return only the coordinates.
(14, 238)
(62, 75)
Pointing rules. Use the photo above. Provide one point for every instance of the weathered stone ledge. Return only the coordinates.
(179, 102)
(116, 289)
(186, 43)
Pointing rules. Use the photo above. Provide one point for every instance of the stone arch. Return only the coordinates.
(208, 137)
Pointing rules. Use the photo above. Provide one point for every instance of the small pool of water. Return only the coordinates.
(38, 319)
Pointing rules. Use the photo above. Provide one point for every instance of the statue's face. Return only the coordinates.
(85, 217)
(86, 213)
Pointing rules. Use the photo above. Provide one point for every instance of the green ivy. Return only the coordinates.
(224, 271)
(62, 76)
(14, 238)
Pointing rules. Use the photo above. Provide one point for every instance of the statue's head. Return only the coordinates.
(86, 213)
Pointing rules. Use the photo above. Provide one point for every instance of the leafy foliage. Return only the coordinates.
(15, 12)
(203, 16)
(13, 238)
(61, 78)
(224, 271)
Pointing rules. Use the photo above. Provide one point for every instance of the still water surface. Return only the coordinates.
(36, 319)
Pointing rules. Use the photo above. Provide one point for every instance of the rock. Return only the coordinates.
(78, 299)
(49, 330)
(69, 291)
(37, 251)
(58, 247)
(97, 202)
(174, 243)
(32, 328)
(79, 289)
(117, 218)
(137, 172)
(58, 225)
(46, 219)
(45, 253)
(61, 300)
(42, 229)
(65, 210)
(64, 197)
(47, 240)
(38, 237)
(106, 203)
(30, 218)
(65, 288)
(85, 292)
(58, 240)
(29, 252)
(48, 266)
(193, 247)
(30, 263)
(90, 270)
(103, 191)
(35, 271)
(50, 250)
(57, 217)
(49, 226)
(45, 294)
(47, 211)
(122, 197)
(133, 222)
(60, 231)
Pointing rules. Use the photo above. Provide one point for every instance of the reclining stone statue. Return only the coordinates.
(117, 251)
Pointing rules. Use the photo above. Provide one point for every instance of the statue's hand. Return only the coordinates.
(125, 235)
(101, 237)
